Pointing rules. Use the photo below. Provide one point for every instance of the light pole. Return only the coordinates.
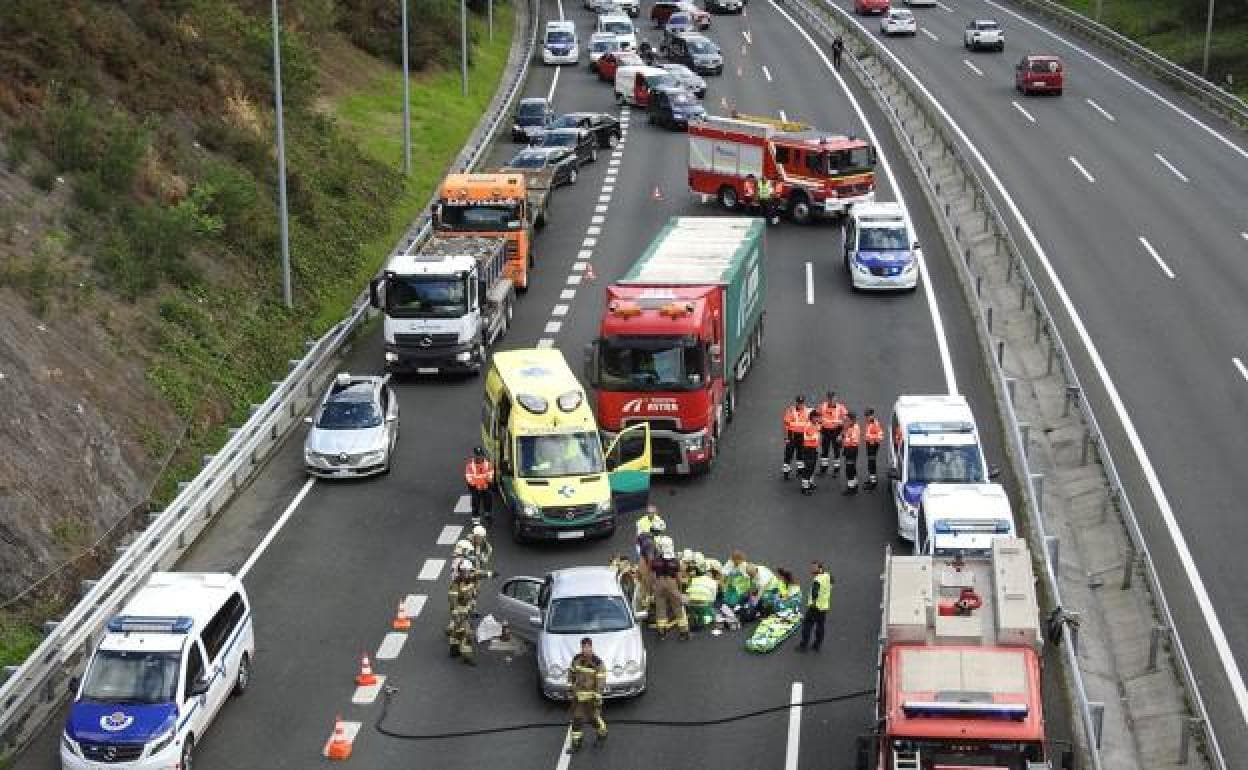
(407, 102)
(281, 159)
(1204, 68)
(463, 47)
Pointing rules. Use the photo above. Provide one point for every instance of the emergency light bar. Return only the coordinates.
(120, 624)
(924, 708)
(956, 526)
(932, 428)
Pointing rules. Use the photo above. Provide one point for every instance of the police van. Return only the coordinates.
(559, 45)
(880, 250)
(181, 646)
(963, 520)
(932, 439)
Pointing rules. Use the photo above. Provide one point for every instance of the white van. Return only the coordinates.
(559, 44)
(626, 89)
(621, 26)
(183, 644)
(932, 439)
(880, 250)
(962, 520)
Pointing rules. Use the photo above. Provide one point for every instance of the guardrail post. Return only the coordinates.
(1024, 430)
(49, 626)
(1072, 393)
(1000, 348)
(293, 363)
(979, 279)
(1128, 571)
(1154, 646)
(1192, 724)
(1048, 368)
(1072, 629)
(987, 316)
(1010, 382)
(1053, 546)
(1037, 480)
(1097, 710)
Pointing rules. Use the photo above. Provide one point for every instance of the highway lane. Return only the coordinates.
(325, 589)
(1141, 211)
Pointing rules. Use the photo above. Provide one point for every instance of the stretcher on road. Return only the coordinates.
(773, 630)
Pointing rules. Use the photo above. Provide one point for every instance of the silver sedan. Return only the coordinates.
(354, 428)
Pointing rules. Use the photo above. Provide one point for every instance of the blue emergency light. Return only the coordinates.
(121, 624)
(947, 527)
(1015, 711)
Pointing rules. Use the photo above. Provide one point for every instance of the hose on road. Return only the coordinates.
(388, 695)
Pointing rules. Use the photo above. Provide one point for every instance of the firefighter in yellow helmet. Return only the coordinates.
(588, 676)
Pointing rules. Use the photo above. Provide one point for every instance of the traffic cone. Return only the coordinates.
(657, 194)
(366, 677)
(401, 621)
(339, 747)
(589, 271)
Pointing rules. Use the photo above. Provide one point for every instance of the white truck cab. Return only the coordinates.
(181, 646)
(620, 25)
(932, 439)
(881, 251)
(963, 520)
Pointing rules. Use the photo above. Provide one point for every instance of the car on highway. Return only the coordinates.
(599, 45)
(560, 161)
(662, 10)
(604, 126)
(621, 26)
(674, 107)
(701, 18)
(610, 64)
(725, 6)
(983, 33)
(880, 251)
(355, 427)
(631, 7)
(898, 21)
(559, 45)
(678, 24)
(533, 115)
(687, 78)
(567, 605)
(921, 3)
(168, 662)
(696, 51)
(580, 141)
(868, 7)
(634, 84)
(1036, 73)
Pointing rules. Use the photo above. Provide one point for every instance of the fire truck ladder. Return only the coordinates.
(906, 760)
(780, 125)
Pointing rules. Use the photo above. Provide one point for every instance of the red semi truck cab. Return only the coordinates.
(679, 332)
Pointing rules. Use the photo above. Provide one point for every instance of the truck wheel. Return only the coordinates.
(799, 209)
(728, 197)
(730, 404)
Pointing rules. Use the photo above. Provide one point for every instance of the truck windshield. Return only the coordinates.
(477, 218)
(883, 239)
(854, 160)
(119, 676)
(651, 364)
(411, 296)
(559, 454)
(618, 27)
(945, 463)
(1013, 755)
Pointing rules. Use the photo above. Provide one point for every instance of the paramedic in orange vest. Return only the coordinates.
(479, 475)
(873, 435)
(796, 416)
(833, 412)
(810, 451)
(851, 437)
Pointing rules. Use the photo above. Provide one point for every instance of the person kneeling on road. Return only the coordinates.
(588, 676)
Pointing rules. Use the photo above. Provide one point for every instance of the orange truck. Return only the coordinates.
(492, 205)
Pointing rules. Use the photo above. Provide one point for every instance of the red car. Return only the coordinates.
(864, 7)
(610, 62)
(1039, 74)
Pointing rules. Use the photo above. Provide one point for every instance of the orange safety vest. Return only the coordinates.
(795, 418)
(875, 432)
(833, 414)
(479, 474)
(749, 189)
(850, 436)
(810, 436)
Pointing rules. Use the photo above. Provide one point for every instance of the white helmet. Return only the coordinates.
(463, 547)
(478, 531)
(658, 525)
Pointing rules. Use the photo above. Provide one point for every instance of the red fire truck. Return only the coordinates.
(811, 172)
(959, 665)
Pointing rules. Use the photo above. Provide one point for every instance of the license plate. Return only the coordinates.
(426, 370)
(572, 534)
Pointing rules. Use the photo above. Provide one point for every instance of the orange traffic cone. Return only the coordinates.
(589, 271)
(339, 747)
(401, 621)
(366, 677)
(657, 194)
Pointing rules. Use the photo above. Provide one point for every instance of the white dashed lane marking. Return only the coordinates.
(766, 73)
(349, 731)
(1100, 109)
(450, 533)
(1170, 166)
(584, 254)
(573, 280)
(594, 230)
(929, 34)
(567, 294)
(463, 504)
(431, 569)
(553, 327)
(973, 68)
(601, 208)
(1025, 113)
(414, 603)
(1243, 370)
(391, 645)
(559, 310)
(1156, 257)
(1075, 161)
(579, 266)
(367, 694)
(545, 342)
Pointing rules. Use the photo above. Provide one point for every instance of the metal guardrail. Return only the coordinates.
(1209, 94)
(31, 691)
(1140, 555)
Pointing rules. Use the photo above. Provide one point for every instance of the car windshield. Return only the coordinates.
(666, 80)
(883, 239)
(560, 139)
(958, 464)
(535, 160)
(530, 113)
(702, 47)
(651, 364)
(602, 46)
(349, 415)
(414, 296)
(477, 217)
(132, 677)
(558, 36)
(901, 15)
(678, 20)
(988, 25)
(559, 454)
(588, 615)
(618, 27)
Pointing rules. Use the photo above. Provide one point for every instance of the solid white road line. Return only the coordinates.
(792, 746)
(567, 294)
(1170, 166)
(1208, 129)
(545, 342)
(938, 324)
(810, 284)
(1082, 170)
(766, 73)
(1100, 109)
(391, 645)
(349, 731)
(565, 759)
(450, 534)
(431, 569)
(1243, 370)
(463, 504)
(1156, 257)
(974, 69)
(553, 327)
(277, 527)
(1025, 113)
(927, 32)
(1199, 592)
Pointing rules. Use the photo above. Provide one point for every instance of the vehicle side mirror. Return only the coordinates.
(535, 621)
(591, 364)
(73, 684)
(716, 353)
(307, 420)
(994, 471)
(915, 246)
(642, 615)
(894, 474)
(392, 418)
(374, 292)
(199, 686)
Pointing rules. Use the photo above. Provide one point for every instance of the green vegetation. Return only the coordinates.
(1175, 29)
(158, 117)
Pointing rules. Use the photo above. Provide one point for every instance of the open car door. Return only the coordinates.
(628, 468)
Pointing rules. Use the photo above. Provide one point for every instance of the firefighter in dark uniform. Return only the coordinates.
(588, 676)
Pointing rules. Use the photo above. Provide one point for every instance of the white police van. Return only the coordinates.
(880, 250)
(181, 646)
(963, 520)
(931, 439)
(559, 45)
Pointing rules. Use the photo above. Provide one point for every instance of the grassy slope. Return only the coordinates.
(1162, 27)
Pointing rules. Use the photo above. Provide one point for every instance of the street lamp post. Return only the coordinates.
(407, 102)
(281, 158)
(463, 47)
(1204, 68)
